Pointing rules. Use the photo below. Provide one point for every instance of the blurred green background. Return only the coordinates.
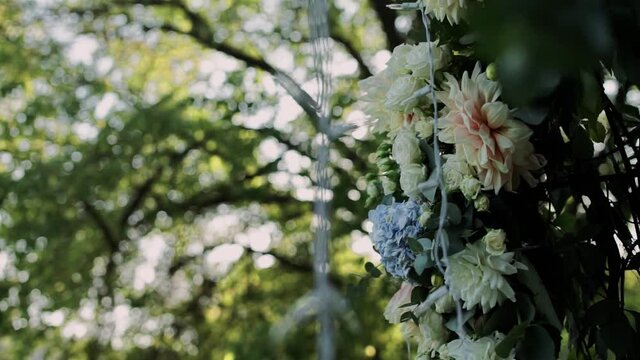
(155, 182)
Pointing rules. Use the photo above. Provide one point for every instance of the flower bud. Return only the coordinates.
(494, 241)
(388, 186)
(482, 203)
(372, 189)
(411, 176)
(470, 187)
(406, 147)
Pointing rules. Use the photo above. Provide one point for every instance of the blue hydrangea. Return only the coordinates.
(393, 226)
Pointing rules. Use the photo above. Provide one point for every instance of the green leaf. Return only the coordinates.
(501, 319)
(388, 200)
(581, 144)
(618, 335)
(372, 270)
(418, 294)
(422, 262)
(597, 132)
(415, 245)
(541, 299)
(537, 344)
(526, 310)
(531, 115)
(453, 214)
(503, 349)
(426, 243)
(407, 316)
(453, 240)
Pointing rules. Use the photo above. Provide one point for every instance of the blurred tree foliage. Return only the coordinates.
(155, 175)
(155, 179)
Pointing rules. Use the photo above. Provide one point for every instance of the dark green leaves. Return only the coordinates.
(581, 144)
(372, 270)
(534, 47)
(509, 342)
(541, 299)
(536, 345)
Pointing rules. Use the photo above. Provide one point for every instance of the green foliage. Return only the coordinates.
(172, 122)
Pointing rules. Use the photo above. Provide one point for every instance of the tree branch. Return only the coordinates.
(388, 21)
(365, 72)
(102, 224)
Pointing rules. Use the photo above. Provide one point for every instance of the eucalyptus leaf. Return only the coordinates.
(502, 319)
(388, 200)
(415, 245)
(426, 243)
(418, 294)
(526, 309)
(454, 241)
(541, 299)
(453, 214)
(536, 345)
(531, 115)
(422, 262)
(372, 270)
(581, 144)
(503, 349)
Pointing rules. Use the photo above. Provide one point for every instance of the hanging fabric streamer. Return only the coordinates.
(319, 28)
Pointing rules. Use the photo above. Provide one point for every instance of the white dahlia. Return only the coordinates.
(450, 9)
(483, 348)
(374, 94)
(477, 277)
(484, 132)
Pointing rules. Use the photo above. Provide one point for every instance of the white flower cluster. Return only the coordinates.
(452, 10)
(475, 275)
(483, 348)
(406, 152)
(389, 96)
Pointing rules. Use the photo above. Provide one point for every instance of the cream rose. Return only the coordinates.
(417, 60)
(454, 170)
(398, 96)
(406, 147)
(494, 241)
(411, 175)
(470, 187)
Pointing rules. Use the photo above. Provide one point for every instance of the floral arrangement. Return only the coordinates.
(467, 257)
